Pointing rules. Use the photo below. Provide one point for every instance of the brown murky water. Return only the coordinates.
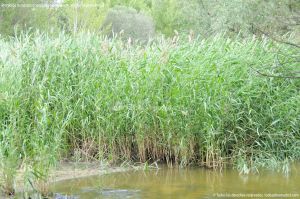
(183, 183)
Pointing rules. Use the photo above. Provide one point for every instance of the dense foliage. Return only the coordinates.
(199, 102)
(204, 17)
(217, 84)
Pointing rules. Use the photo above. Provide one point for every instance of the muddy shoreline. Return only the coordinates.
(71, 170)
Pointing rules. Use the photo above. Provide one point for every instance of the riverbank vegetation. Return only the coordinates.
(206, 83)
(210, 102)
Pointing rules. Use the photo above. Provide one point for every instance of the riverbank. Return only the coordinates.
(206, 102)
(67, 171)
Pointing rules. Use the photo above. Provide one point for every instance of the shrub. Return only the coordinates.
(127, 20)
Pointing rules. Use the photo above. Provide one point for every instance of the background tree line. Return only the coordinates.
(204, 17)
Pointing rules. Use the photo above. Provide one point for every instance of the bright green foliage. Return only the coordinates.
(168, 16)
(88, 15)
(197, 102)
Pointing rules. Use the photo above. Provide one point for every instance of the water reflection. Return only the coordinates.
(180, 183)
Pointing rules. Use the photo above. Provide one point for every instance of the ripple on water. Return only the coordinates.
(114, 193)
(61, 196)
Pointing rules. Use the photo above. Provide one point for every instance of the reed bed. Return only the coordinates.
(90, 98)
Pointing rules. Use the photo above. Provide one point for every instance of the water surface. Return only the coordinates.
(184, 183)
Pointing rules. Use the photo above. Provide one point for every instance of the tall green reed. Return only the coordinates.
(182, 103)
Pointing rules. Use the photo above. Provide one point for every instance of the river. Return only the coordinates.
(183, 183)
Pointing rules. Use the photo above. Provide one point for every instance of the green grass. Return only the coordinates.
(91, 98)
